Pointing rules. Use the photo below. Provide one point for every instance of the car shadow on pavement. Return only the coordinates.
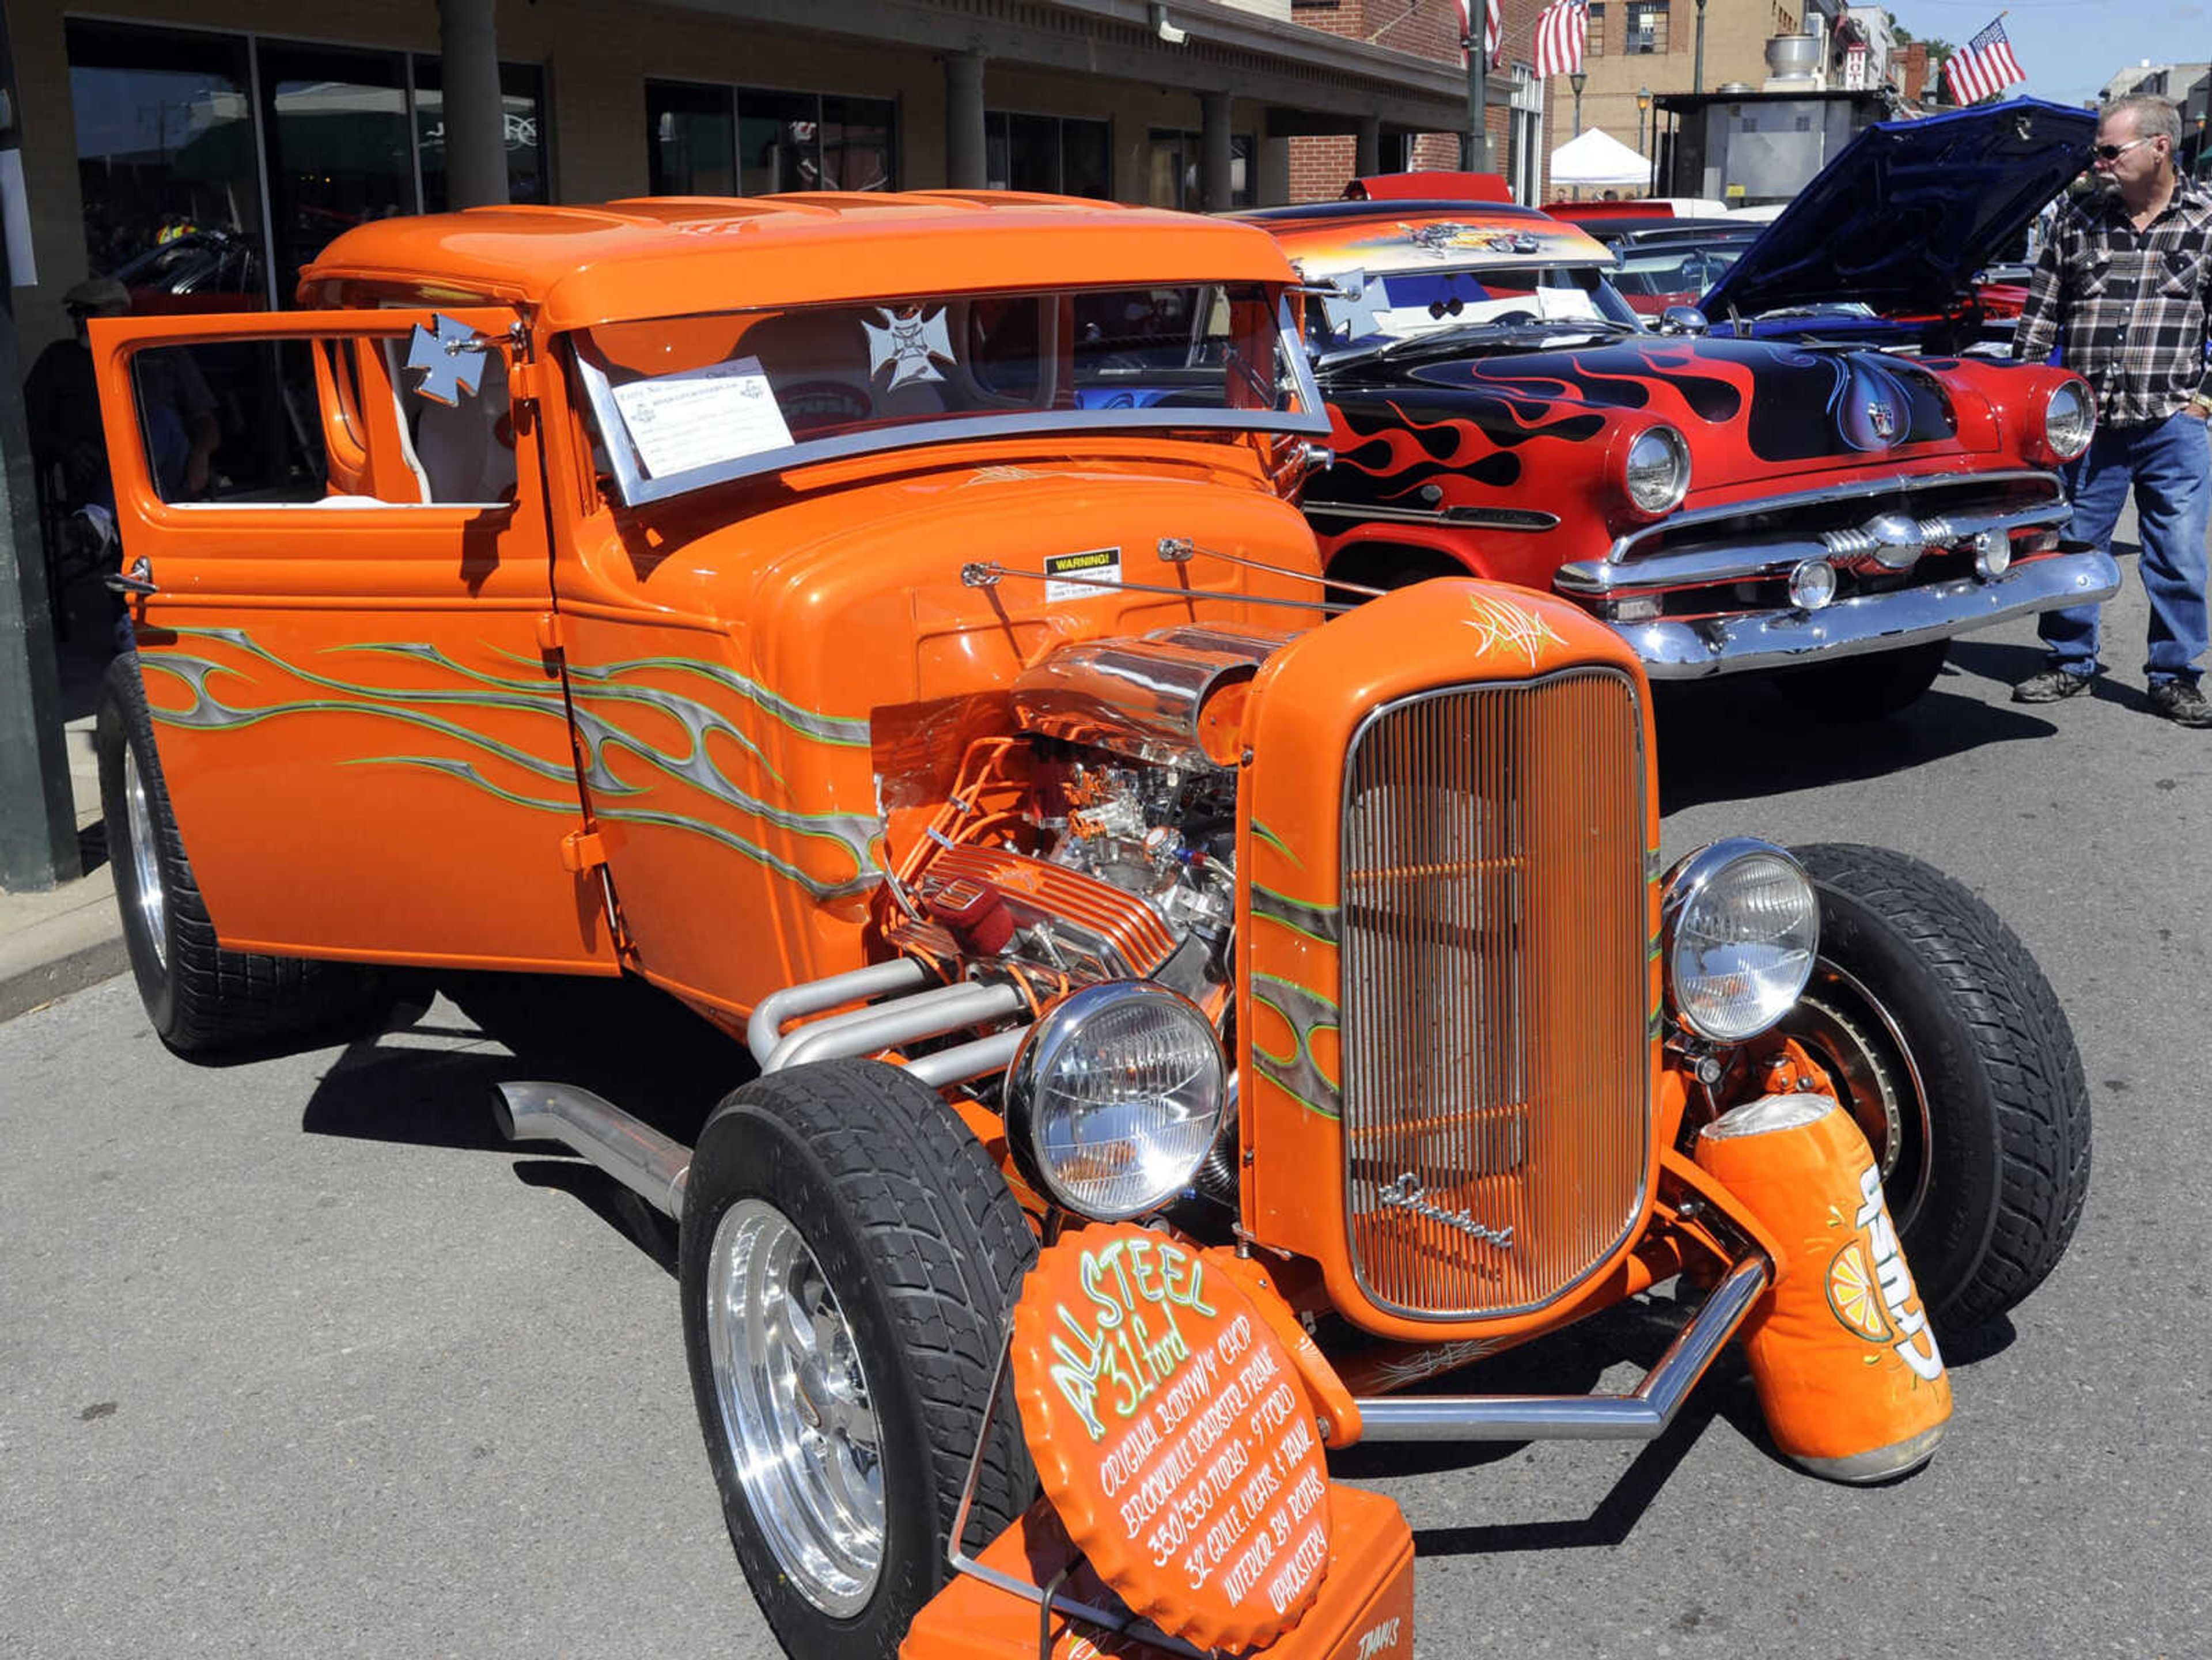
(430, 1080)
(1731, 740)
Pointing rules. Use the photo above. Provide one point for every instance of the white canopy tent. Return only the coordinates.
(1594, 157)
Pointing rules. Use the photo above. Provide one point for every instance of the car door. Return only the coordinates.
(341, 588)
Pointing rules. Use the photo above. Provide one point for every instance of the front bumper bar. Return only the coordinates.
(1693, 648)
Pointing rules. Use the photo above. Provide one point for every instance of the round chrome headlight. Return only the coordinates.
(1739, 925)
(1656, 474)
(2069, 419)
(1114, 1097)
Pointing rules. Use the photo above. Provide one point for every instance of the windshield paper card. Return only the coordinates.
(702, 417)
(1092, 567)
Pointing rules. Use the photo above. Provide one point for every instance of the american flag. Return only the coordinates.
(1560, 32)
(1984, 67)
(1491, 28)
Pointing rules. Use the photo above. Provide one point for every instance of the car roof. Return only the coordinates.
(1326, 237)
(1668, 232)
(673, 256)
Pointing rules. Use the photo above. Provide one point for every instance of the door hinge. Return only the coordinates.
(552, 638)
(582, 851)
(521, 382)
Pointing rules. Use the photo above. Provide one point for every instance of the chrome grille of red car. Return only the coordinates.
(1495, 989)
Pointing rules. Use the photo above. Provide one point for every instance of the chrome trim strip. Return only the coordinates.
(1691, 649)
(636, 1154)
(1641, 1416)
(1858, 490)
(1526, 519)
(1754, 558)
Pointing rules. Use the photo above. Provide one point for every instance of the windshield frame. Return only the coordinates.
(636, 489)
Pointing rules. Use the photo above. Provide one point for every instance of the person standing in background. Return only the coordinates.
(2124, 280)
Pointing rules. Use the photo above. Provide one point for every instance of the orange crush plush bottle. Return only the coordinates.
(1846, 1366)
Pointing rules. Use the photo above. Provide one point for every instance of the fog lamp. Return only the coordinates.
(1812, 584)
(1115, 1099)
(1992, 554)
(1738, 926)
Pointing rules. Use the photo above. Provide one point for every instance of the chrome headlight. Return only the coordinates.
(1656, 474)
(1115, 1099)
(1739, 925)
(2069, 420)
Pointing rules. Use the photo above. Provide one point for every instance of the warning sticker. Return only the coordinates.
(1098, 565)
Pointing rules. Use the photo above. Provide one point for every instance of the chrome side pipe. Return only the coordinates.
(765, 1029)
(636, 1154)
(885, 1026)
(1642, 1416)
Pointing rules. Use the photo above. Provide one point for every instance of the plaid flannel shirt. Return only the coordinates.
(2131, 305)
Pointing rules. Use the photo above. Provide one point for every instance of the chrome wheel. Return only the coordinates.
(796, 1410)
(1847, 1030)
(145, 859)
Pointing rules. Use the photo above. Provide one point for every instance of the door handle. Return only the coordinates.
(138, 581)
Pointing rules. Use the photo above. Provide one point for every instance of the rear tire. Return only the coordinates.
(201, 997)
(848, 1257)
(1949, 1048)
(1869, 688)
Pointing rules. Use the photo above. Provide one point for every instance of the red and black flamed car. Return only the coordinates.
(1728, 504)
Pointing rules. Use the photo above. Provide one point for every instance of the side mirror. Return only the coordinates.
(1682, 319)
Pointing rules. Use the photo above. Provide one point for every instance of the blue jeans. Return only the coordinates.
(2169, 462)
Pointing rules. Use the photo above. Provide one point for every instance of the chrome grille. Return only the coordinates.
(1495, 984)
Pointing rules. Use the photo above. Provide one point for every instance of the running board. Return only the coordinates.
(1643, 1416)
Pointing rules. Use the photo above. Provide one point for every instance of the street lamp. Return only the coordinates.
(1576, 81)
(1643, 108)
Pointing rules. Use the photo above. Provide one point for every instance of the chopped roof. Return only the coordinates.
(661, 257)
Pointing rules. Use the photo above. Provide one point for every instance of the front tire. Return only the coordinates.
(1949, 1048)
(847, 1259)
(201, 997)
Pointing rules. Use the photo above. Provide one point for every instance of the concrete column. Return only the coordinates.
(476, 120)
(1213, 181)
(966, 165)
(1369, 162)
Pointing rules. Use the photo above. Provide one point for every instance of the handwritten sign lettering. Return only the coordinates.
(1172, 1434)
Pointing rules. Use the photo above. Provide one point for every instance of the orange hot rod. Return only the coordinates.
(881, 623)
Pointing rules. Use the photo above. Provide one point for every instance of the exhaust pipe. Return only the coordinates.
(636, 1154)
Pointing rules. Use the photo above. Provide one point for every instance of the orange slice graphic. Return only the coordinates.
(1855, 1297)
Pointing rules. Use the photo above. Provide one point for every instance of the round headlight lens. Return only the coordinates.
(1741, 924)
(2069, 420)
(1658, 471)
(1115, 1097)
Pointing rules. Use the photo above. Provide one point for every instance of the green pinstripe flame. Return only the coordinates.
(1298, 1074)
(599, 737)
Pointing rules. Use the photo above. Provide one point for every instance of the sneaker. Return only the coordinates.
(2181, 703)
(2052, 686)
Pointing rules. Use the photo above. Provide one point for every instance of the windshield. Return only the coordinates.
(681, 403)
(1404, 305)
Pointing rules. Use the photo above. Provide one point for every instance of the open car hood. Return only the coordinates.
(1909, 210)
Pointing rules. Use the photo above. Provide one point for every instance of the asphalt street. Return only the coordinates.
(297, 1358)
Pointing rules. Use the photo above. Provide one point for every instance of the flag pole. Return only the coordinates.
(1477, 89)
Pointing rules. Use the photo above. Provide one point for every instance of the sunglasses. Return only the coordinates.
(2114, 152)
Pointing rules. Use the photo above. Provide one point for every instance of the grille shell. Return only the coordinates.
(1496, 992)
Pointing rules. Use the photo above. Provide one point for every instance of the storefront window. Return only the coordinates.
(165, 164)
(1046, 153)
(856, 144)
(522, 94)
(340, 149)
(690, 135)
(1175, 160)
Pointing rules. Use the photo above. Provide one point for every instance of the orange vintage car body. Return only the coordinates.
(982, 642)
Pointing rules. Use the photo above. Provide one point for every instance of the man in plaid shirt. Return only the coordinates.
(2124, 283)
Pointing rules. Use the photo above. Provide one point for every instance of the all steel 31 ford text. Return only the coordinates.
(844, 614)
(1728, 504)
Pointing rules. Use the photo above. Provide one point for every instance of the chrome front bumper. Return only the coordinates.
(1693, 648)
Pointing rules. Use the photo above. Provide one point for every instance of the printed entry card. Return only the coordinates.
(702, 416)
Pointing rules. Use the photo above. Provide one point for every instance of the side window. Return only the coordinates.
(331, 421)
